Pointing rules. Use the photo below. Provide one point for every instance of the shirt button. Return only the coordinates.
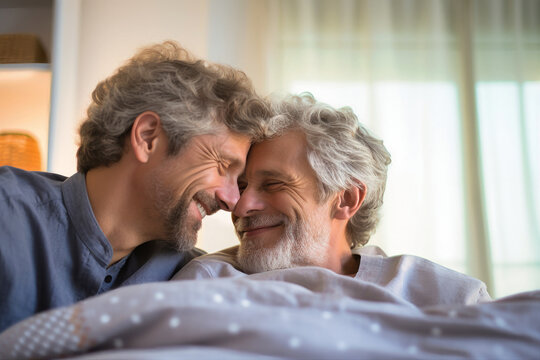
(108, 279)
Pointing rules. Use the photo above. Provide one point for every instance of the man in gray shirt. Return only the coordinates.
(164, 141)
(310, 196)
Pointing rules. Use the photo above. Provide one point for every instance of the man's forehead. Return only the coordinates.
(279, 156)
(232, 146)
(282, 174)
(292, 143)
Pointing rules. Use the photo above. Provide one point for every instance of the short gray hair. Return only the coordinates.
(343, 154)
(190, 95)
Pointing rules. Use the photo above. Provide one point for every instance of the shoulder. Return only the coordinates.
(162, 248)
(422, 281)
(452, 285)
(31, 186)
(29, 202)
(215, 265)
(161, 252)
(411, 264)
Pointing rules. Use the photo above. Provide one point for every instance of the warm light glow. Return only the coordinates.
(15, 75)
(25, 101)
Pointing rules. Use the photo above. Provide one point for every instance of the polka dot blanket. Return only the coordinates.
(334, 317)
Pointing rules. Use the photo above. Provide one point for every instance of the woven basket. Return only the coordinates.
(21, 48)
(19, 150)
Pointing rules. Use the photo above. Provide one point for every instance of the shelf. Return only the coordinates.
(26, 66)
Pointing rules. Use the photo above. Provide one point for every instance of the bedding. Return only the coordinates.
(275, 315)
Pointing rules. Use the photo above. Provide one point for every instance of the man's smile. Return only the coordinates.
(206, 204)
(201, 209)
(257, 230)
(256, 225)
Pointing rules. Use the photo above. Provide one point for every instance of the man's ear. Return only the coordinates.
(349, 201)
(144, 135)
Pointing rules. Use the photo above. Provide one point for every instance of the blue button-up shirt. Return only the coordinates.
(53, 252)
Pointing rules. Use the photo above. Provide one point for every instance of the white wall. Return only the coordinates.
(237, 36)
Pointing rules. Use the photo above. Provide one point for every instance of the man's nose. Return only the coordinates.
(228, 196)
(250, 201)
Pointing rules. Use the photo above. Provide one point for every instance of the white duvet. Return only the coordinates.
(278, 314)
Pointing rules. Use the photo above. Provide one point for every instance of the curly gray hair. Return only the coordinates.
(190, 95)
(342, 153)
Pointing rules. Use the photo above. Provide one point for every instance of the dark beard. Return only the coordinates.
(180, 230)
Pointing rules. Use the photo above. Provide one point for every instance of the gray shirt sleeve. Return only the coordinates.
(217, 265)
(421, 281)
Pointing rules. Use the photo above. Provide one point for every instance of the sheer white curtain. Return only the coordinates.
(453, 88)
(507, 69)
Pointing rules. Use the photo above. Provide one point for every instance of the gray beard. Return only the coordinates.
(180, 232)
(304, 243)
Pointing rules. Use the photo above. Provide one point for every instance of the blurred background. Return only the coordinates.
(451, 86)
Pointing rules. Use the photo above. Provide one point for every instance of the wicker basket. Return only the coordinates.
(21, 48)
(19, 150)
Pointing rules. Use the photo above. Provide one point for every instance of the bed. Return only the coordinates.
(275, 315)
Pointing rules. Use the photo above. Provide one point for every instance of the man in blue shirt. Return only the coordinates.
(164, 141)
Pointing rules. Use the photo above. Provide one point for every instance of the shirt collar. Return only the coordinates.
(81, 215)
